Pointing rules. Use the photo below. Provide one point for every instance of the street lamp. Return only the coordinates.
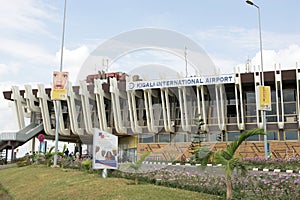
(262, 74)
(58, 101)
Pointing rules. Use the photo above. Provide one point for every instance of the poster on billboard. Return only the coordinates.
(59, 90)
(105, 150)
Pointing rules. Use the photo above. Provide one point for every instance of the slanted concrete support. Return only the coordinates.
(43, 100)
(166, 110)
(18, 100)
(149, 111)
(30, 99)
(100, 95)
(73, 112)
(185, 118)
(62, 129)
(133, 112)
(85, 96)
(115, 100)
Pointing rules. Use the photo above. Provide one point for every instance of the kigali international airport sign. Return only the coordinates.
(189, 81)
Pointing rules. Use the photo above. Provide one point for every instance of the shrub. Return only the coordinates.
(86, 165)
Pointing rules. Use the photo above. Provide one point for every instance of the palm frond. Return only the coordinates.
(220, 158)
(231, 149)
(138, 163)
(51, 149)
(203, 155)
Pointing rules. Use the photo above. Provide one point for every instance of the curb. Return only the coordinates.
(220, 165)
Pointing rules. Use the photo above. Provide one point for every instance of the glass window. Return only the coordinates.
(273, 110)
(291, 135)
(146, 138)
(250, 97)
(180, 137)
(289, 95)
(271, 118)
(232, 135)
(250, 110)
(215, 137)
(281, 135)
(273, 96)
(253, 138)
(251, 119)
(290, 108)
(273, 135)
(164, 137)
(231, 101)
(231, 110)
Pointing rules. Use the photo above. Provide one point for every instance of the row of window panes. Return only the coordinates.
(289, 108)
(272, 135)
(166, 138)
(289, 95)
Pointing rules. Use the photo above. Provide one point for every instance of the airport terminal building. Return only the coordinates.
(161, 115)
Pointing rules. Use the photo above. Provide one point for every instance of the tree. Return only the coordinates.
(136, 166)
(227, 157)
(200, 134)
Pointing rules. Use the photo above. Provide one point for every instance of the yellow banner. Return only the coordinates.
(59, 94)
(265, 98)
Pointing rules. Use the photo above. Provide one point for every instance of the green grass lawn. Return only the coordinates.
(40, 182)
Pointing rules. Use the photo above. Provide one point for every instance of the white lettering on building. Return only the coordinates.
(190, 81)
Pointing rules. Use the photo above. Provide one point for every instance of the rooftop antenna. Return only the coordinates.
(247, 66)
(105, 64)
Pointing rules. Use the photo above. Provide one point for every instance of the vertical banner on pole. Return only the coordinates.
(265, 98)
(60, 80)
(105, 150)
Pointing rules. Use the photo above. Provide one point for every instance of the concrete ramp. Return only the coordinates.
(15, 139)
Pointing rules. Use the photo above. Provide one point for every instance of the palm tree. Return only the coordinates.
(136, 166)
(49, 156)
(227, 157)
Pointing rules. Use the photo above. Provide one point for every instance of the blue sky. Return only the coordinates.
(30, 33)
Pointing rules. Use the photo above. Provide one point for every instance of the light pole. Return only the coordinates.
(58, 101)
(262, 74)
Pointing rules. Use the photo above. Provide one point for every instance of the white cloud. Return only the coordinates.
(286, 57)
(8, 69)
(246, 39)
(25, 37)
(72, 60)
(8, 118)
(24, 50)
(24, 16)
(231, 47)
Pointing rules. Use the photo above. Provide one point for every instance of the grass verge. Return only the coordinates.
(40, 182)
(4, 194)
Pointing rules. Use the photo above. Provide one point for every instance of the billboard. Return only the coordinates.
(59, 90)
(105, 150)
